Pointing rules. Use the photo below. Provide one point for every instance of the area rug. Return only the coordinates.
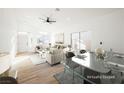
(67, 78)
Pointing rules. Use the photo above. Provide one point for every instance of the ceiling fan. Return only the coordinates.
(47, 20)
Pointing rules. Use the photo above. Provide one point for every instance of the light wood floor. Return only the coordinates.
(29, 73)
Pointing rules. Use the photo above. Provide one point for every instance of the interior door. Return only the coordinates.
(23, 43)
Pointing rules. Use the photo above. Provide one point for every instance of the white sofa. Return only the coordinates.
(54, 56)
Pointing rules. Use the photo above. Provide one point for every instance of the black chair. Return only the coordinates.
(8, 80)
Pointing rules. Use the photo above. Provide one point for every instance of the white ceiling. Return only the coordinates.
(66, 18)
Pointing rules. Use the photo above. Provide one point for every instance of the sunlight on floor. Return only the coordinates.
(34, 58)
(20, 59)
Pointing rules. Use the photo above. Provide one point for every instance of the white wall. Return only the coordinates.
(106, 25)
(8, 29)
(108, 28)
(22, 42)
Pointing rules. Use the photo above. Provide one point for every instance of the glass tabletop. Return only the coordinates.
(89, 60)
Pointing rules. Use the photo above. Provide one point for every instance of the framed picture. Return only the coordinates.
(59, 38)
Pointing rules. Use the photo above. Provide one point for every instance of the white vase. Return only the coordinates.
(99, 51)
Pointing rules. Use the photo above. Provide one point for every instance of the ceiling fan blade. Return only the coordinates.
(52, 21)
(47, 20)
(42, 19)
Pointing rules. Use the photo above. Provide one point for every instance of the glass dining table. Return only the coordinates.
(108, 70)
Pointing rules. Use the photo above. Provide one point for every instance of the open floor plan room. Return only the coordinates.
(61, 46)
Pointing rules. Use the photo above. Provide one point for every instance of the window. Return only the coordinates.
(81, 40)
